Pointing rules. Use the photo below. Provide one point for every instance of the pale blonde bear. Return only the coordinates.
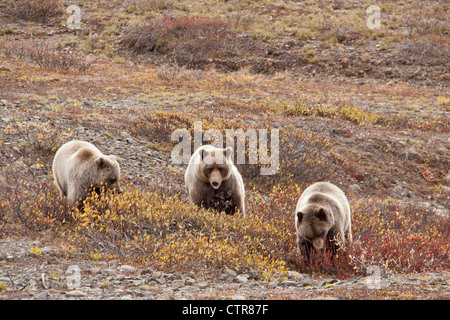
(212, 180)
(322, 217)
(79, 166)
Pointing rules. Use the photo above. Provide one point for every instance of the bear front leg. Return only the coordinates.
(76, 197)
(306, 248)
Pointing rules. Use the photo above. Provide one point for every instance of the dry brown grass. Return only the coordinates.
(35, 10)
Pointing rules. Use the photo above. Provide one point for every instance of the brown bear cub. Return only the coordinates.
(79, 166)
(212, 180)
(322, 218)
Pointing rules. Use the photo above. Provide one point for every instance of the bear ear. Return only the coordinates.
(321, 214)
(113, 157)
(299, 217)
(228, 152)
(101, 162)
(205, 154)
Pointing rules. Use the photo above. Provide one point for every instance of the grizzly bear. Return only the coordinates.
(79, 166)
(212, 180)
(322, 218)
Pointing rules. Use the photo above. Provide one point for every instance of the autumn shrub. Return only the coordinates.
(158, 126)
(190, 41)
(167, 233)
(202, 43)
(146, 6)
(27, 192)
(40, 54)
(28, 197)
(398, 238)
(41, 140)
(35, 10)
(313, 108)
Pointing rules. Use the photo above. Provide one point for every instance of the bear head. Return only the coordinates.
(216, 165)
(106, 174)
(313, 222)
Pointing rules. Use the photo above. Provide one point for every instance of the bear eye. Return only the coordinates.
(299, 217)
(223, 172)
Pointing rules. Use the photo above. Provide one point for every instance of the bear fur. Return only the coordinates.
(212, 180)
(322, 217)
(79, 166)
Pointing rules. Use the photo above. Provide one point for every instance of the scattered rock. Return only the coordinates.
(178, 283)
(230, 272)
(43, 295)
(413, 155)
(309, 283)
(446, 179)
(328, 282)
(108, 272)
(241, 278)
(289, 283)
(355, 188)
(76, 294)
(113, 263)
(94, 270)
(127, 268)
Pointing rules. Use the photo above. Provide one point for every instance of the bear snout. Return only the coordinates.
(215, 184)
(318, 243)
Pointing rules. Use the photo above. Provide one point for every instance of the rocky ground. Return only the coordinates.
(48, 274)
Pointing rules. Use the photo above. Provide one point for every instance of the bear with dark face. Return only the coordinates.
(212, 180)
(322, 219)
(79, 166)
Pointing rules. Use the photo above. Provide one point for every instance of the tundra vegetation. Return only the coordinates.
(365, 109)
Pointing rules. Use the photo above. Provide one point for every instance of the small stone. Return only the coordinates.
(328, 282)
(108, 272)
(137, 283)
(113, 263)
(295, 275)
(128, 268)
(178, 276)
(309, 283)
(241, 278)
(272, 285)
(178, 283)
(43, 295)
(94, 270)
(76, 294)
(446, 179)
(145, 271)
(289, 283)
(230, 272)
(203, 285)
(355, 188)
(161, 280)
(412, 154)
